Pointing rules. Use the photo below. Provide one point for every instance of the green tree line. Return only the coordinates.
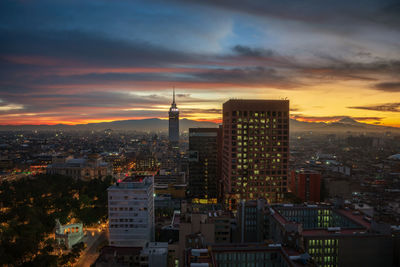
(29, 208)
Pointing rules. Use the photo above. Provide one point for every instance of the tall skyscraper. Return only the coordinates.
(173, 130)
(255, 150)
(204, 159)
(131, 212)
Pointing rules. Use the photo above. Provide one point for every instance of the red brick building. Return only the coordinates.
(306, 185)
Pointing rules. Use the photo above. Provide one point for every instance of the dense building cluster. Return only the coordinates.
(233, 195)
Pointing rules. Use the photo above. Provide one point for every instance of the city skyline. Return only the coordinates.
(76, 62)
(200, 133)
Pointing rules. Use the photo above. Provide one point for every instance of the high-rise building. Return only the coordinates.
(306, 185)
(204, 161)
(255, 150)
(173, 130)
(131, 212)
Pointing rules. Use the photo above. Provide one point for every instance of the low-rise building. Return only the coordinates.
(332, 236)
(306, 185)
(111, 256)
(199, 228)
(254, 254)
(85, 169)
(117, 161)
(176, 191)
(69, 234)
(155, 254)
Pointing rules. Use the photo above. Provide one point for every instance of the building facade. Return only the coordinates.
(92, 167)
(196, 229)
(68, 235)
(117, 161)
(255, 150)
(331, 236)
(131, 212)
(254, 254)
(173, 129)
(204, 161)
(251, 222)
(155, 254)
(306, 185)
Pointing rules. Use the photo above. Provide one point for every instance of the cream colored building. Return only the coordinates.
(92, 167)
(69, 234)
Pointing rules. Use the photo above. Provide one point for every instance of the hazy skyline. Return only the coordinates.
(90, 61)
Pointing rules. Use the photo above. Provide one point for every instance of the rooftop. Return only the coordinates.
(290, 257)
(256, 104)
(321, 219)
(132, 182)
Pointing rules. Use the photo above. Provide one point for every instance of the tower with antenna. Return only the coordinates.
(173, 130)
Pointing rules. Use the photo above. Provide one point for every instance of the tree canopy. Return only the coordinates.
(29, 208)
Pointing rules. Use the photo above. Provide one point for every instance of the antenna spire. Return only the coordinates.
(173, 97)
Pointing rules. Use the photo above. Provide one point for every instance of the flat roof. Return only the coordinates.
(257, 105)
(132, 182)
(257, 247)
(356, 219)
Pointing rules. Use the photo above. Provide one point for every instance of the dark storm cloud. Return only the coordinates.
(324, 67)
(380, 66)
(389, 14)
(251, 76)
(102, 78)
(251, 52)
(110, 101)
(388, 86)
(69, 49)
(333, 64)
(388, 107)
(183, 95)
(85, 48)
(51, 49)
(51, 102)
(385, 12)
(338, 68)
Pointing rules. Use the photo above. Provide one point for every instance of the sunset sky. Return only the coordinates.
(91, 61)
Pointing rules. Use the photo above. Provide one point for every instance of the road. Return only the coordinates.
(90, 254)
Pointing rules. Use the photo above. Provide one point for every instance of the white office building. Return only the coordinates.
(131, 212)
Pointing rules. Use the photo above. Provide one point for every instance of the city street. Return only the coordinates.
(93, 239)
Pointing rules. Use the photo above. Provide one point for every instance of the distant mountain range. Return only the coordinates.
(156, 125)
(145, 125)
(346, 124)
